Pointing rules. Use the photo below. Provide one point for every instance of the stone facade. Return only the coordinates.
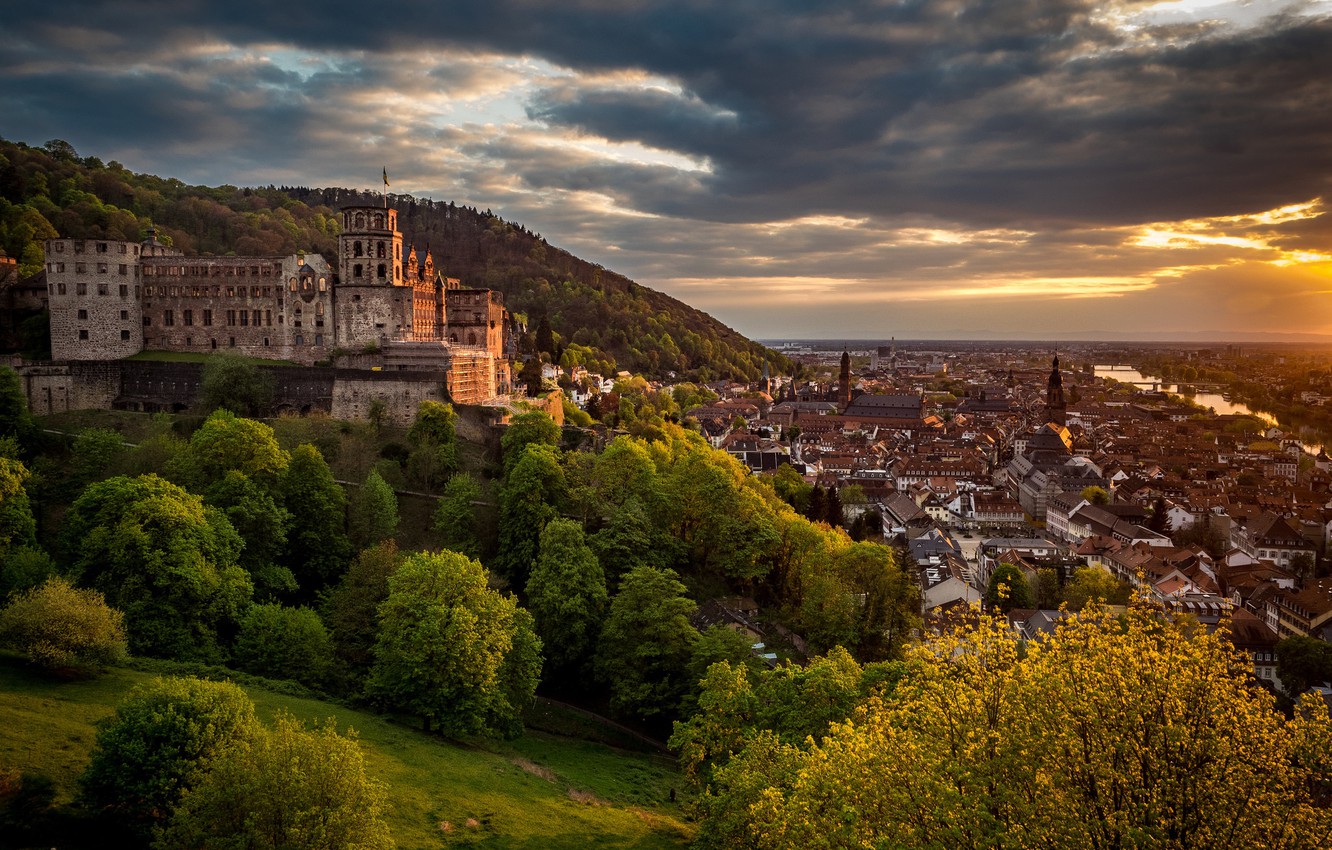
(111, 300)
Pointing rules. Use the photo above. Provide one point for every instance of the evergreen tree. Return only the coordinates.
(832, 508)
(455, 518)
(374, 512)
(317, 549)
(566, 595)
(816, 507)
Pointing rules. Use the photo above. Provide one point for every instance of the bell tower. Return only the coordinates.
(370, 247)
(1055, 408)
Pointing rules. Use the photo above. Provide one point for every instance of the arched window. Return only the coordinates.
(323, 284)
(356, 249)
(360, 221)
(292, 285)
(381, 250)
(379, 221)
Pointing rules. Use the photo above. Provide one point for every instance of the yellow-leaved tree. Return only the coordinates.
(1131, 731)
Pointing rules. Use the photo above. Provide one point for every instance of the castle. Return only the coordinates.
(110, 300)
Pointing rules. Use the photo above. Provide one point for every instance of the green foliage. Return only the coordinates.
(1302, 663)
(647, 643)
(566, 595)
(351, 609)
(159, 743)
(373, 512)
(1092, 585)
(226, 442)
(164, 559)
(455, 519)
(15, 420)
(451, 651)
(93, 453)
(262, 525)
(284, 788)
(17, 525)
(60, 627)
(317, 549)
(524, 430)
(284, 643)
(23, 567)
(532, 495)
(1007, 589)
(1096, 495)
(230, 381)
(434, 454)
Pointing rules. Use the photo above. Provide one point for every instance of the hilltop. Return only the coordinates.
(602, 319)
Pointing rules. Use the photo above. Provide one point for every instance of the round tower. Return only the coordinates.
(370, 247)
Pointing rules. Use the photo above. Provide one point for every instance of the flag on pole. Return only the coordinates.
(386, 176)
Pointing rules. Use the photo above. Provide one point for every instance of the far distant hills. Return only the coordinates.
(602, 319)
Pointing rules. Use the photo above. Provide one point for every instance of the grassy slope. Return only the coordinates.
(540, 791)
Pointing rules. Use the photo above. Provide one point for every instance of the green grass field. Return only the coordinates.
(540, 791)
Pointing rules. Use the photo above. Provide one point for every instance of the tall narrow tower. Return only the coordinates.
(374, 298)
(1055, 408)
(844, 381)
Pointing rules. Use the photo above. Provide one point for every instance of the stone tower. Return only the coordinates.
(374, 297)
(844, 381)
(1055, 408)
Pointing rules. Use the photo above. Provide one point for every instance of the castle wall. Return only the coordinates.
(77, 385)
(93, 293)
(401, 392)
(372, 315)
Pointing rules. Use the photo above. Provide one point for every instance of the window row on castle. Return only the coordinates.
(214, 270)
(235, 318)
(298, 340)
(358, 270)
(81, 247)
(378, 250)
(82, 268)
(210, 291)
(102, 289)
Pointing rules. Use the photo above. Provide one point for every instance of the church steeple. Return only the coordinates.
(844, 380)
(1055, 407)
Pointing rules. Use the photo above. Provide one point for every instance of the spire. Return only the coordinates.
(1055, 408)
(844, 380)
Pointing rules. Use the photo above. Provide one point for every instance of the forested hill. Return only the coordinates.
(601, 319)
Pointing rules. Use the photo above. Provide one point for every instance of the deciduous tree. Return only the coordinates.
(374, 512)
(59, 627)
(566, 594)
(284, 643)
(647, 642)
(317, 548)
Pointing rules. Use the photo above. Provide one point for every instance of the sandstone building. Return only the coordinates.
(110, 300)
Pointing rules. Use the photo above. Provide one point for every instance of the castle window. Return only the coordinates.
(360, 220)
(171, 290)
(101, 247)
(379, 221)
(60, 247)
(62, 292)
(124, 315)
(323, 285)
(208, 318)
(381, 250)
(122, 247)
(168, 318)
(383, 272)
(319, 339)
(60, 267)
(231, 341)
(78, 246)
(231, 318)
(102, 289)
(265, 342)
(254, 271)
(245, 318)
(124, 269)
(231, 292)
(101, 268)
(300, 340)
(357, 249)
(319, 309)
(81, 289)
(124, 334)
(357, 270)
(80, 268)
(254, 292)
(471, 338)
(136, 292)
(83, 334)
(256, 316)
(292, 284)
(189, 317)
(83, 315)
(60, 289)
(268, 318)
(124, 290)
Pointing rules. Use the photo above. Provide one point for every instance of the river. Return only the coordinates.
(1217, 403)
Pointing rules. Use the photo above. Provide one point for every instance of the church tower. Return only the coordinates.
(1055, 408)
(844, 381)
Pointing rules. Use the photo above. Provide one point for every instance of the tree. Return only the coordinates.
(566, 595)
(60, 627)
(93, 453)
(1302, 663)
(832, 509)
(545, 338)
(647, 642)
(15, 420)
(262, 525)
(530, 376)
(351, 609)
(282, 788)
(531, 496)
(17, 525)
(1045, 593)
(164, 559)
(1159, 521)
(434, 455)
(455, 518)
(284, 643)
(230, 381)
(1007, 590)
(317, 548)
(159, 743)
(524, 430)
(225, 443)
(1096, 495)
(374, 512)
(1136, 731)
(444, 647)
(21, 568)
(1094, 585)
(792, 488)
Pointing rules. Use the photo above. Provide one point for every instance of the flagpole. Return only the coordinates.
(386, 187)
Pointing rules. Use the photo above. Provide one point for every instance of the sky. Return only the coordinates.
(1061, 169)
